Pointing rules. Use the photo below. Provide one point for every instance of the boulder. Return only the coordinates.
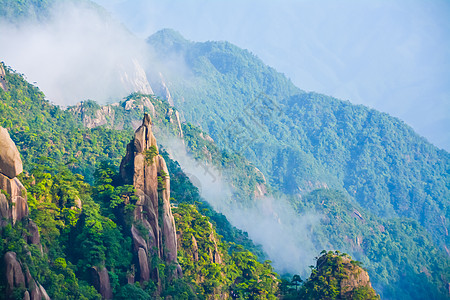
(10, 162)
(194, 248)
(13, 271)
(17, 278)
(26, 296)
(14, 207)
(100, 280)
(37, 292)
(138, 240)
(4, 210)
(144, 271)
(44, 294)
(18, 207)
(33, 235)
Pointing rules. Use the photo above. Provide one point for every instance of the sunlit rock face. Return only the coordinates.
(147, 171)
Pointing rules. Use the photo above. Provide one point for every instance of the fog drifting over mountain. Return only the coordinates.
(390, 55)
(78, 53)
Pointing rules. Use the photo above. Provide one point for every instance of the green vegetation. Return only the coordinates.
(150, 154)
(397, 252)
(209, 268)
(382, 190)
(306, 141)
(335, 277)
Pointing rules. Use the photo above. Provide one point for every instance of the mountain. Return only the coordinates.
(14, 11)
(307, 145)
(305, 140)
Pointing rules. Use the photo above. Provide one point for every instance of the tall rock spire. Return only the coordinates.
(147, 171)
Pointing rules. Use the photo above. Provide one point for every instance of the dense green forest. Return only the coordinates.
(306, 141)
(303, 141)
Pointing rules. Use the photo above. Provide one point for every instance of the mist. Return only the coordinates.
(79, 53)
(285, 235)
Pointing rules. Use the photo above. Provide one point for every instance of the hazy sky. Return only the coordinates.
(390, 55)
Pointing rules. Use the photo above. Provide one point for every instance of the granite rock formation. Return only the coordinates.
(144, 168)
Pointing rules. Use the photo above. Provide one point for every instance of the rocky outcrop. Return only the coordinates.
(144, 271)
(194, 248)
(18, 277)
(350, 277)
(93, 116)
(116, 115)
(147, 171)
(135, 78)
(214, 254)
(100, 280)
(13, 271)
(3, 83)
(163, 90)
(13, 202)
(15, 206)
(10, 162)
(357, 277)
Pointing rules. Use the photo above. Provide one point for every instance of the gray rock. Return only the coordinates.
(100, 280)
(4, 211)
(144, 271)
(44, 294)
(34, 237)
(161, 236)
(13, 271)
(10, 162)
(17, 207)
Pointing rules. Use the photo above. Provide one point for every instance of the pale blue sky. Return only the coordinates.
(390, 55)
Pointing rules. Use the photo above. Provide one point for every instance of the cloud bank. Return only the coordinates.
(79, 53)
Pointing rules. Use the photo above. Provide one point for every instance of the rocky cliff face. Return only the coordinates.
(147, 171)
(3, 84)
(14, 208)
(112, 115)
(18, 276)
(13, 200)
(161, 88)
(133, 78)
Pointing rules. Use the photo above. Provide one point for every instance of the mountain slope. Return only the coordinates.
(305, 140)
